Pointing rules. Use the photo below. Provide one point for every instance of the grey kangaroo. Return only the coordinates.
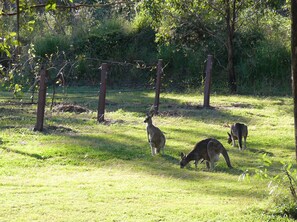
(155, 136)
(238, 130)
(209, 150)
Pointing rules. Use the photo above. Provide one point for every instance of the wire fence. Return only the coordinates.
(96, 93)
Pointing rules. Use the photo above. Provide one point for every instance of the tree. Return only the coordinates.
(231, 10)
(294, 63)
(202, 18)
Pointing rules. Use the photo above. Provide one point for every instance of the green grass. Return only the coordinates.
(79, 170)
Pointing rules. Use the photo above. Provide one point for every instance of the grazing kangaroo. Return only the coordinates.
(155, 136)
(238, 130)
(209, 150)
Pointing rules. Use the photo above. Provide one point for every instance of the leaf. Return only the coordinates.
(32, 22)
(7, 53)
(12, 34)
(54, 6)
(15, 42)
(51, 6)
(289, 167)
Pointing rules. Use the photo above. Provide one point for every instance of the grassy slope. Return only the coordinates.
(78, 170)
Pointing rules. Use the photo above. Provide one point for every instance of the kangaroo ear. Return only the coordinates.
(151, 111)
(182, 155)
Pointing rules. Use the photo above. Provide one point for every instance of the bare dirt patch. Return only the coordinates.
(70, 108)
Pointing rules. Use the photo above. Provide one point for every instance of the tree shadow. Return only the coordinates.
(140, 103)
(260, 151)
(170, 159)
(33, 155)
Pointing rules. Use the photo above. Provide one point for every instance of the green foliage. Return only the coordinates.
(142, 22)
(182, 64)
(263, 55)
(282, 186)
(17, 90)
(109, 39)
(117, 40)
(283, 189)
(182, 33)
(268, 65)
(51, 44)
(9, 41)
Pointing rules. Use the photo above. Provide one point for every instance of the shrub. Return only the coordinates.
(265, 67)
(51, 44)
(282, 187)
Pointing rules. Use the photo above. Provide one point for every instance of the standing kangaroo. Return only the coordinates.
(238, 130)
(155, 136)
(209, 150)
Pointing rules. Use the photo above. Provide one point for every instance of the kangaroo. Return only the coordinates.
(209, 150)
(155, 136)
(238, 130)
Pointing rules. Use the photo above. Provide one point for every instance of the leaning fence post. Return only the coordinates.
(207, 81)
(41, 100)
(158, 85)
(102, 95)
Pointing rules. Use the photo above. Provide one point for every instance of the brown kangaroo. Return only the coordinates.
(155, 136)
(209, 150)
(238, 130)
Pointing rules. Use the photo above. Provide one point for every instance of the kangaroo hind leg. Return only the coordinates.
(244, 142)
(213, 151)
(154, 150)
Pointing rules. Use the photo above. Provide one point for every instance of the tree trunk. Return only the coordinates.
(294, 64)
(230, 44)
(18, 26)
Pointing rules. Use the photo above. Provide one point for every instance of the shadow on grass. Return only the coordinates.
(33, 155)
(104, 147)
(100, 149)
(220, 167)
(140, 103)
(170, 159)
(260, 151)
(14, 113)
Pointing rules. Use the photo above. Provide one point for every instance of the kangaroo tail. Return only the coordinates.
(240, 136)
(226, 156)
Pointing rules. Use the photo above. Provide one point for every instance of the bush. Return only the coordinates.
(120, 42)
(264, 68)
(262, 57)
(51, 44)
(282, 187)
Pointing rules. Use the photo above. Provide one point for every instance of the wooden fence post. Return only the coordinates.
(41, 100)
(102, 95)
(207, 81)
(158, 85)
(294, 64)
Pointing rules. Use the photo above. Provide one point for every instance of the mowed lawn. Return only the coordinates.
(79, 170)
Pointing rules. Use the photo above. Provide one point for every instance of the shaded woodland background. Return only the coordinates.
(250, 41)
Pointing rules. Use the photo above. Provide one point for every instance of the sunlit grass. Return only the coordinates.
(79, 170)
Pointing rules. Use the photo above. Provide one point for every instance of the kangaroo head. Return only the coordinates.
(183, 161)
(148, 119)
(229, 138)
